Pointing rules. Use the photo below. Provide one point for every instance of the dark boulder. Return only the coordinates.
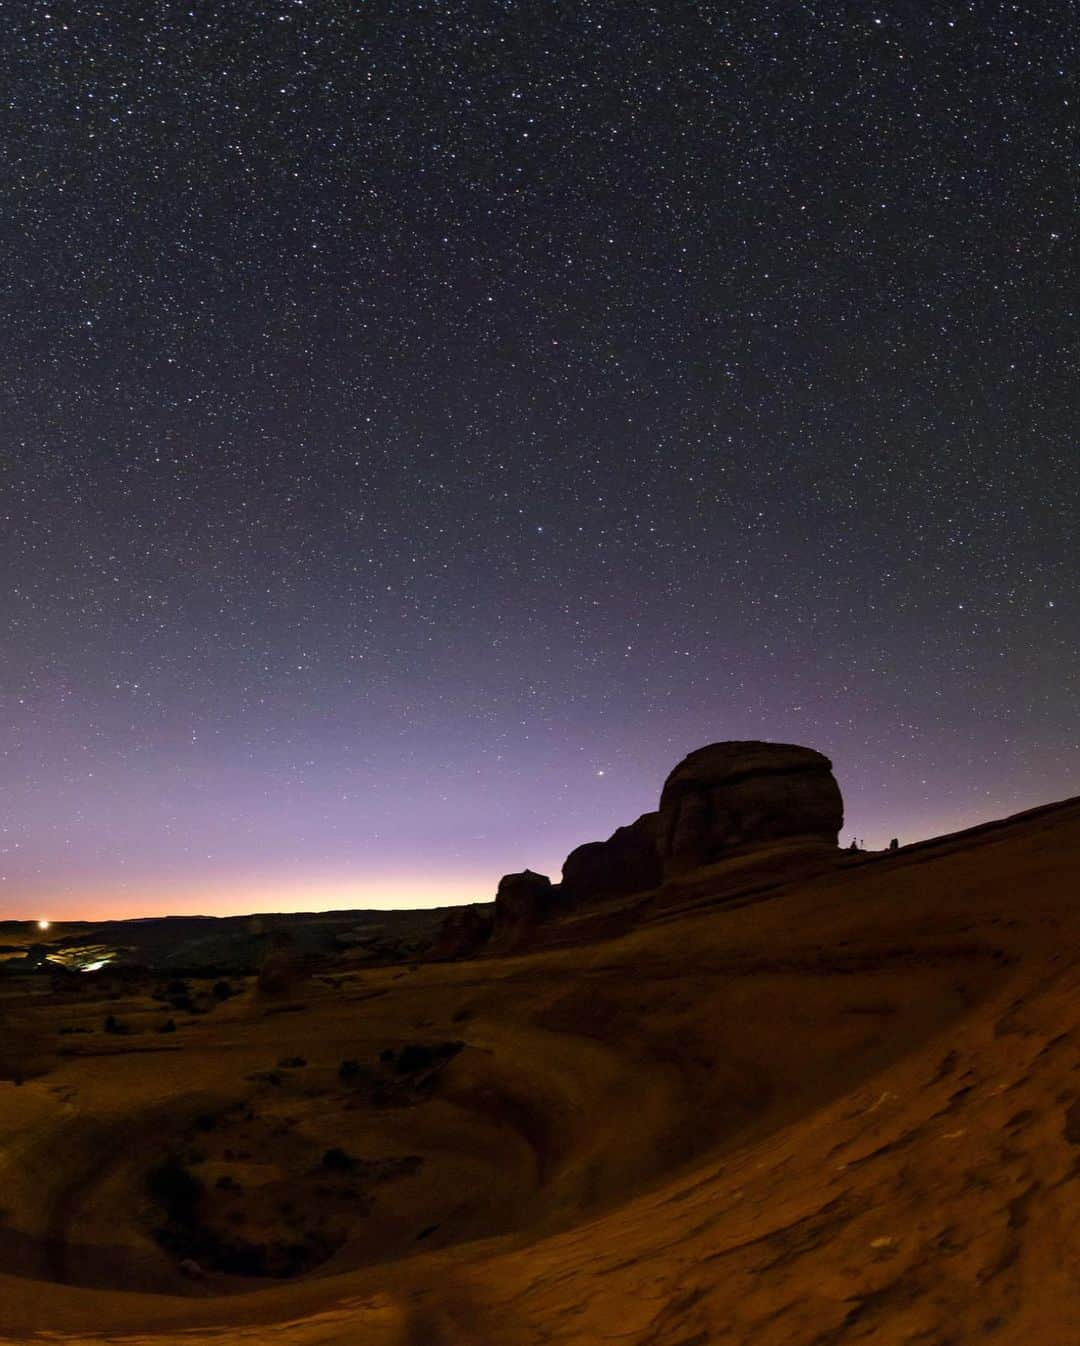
(465, 930)
(625, 864)
(739, 794)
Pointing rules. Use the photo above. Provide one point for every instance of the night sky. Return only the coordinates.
(423, 423)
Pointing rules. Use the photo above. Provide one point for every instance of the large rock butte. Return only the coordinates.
(740, 794)
(723, 799)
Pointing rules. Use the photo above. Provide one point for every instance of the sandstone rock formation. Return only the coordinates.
(737, 794)
(465, 930)
(625, 864)
(721, 799)
(522, 902)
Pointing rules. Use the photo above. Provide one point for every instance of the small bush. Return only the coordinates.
(337, 1161)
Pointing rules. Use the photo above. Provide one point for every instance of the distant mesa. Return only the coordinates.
(723, 800)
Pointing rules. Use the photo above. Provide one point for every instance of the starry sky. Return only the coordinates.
(423, 423)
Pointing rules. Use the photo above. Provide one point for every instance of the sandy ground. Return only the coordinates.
(843, 1109)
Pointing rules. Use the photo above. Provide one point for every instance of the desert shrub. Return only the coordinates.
(223, 990)
(169, 1026)
(337, 1161)
(113, 1025)
(348, 1070)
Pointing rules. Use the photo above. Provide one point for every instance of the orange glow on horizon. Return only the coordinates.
(248, 895)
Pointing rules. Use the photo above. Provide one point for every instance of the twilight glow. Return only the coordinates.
(418, 433)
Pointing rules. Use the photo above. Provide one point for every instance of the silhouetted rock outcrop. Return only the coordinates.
(464, 931)
(737, 794)
(625, 864)
(724, 798)
(522, 902)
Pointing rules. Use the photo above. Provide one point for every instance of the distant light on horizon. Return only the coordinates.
(43, 924)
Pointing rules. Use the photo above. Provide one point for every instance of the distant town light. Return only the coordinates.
(43, 924)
